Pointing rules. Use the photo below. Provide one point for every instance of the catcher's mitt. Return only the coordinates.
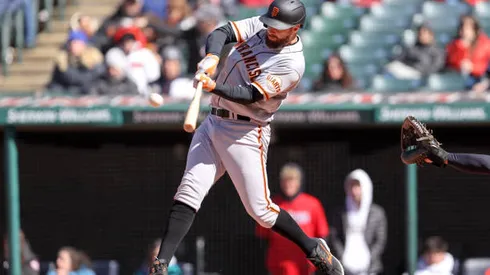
(419, 146)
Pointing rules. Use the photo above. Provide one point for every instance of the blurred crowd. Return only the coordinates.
(467, 54)
(145, 46)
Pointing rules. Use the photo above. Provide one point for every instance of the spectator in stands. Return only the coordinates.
(84, 23)
(71, 261)
(115, 81)
(172, 82)
(335, 76)
(255, 3)
(358, 3)
(156, 8)
(30, 17)
(140, 65)
(469, 53)
(419, 60)
(435, 258)
(77, 66)
(153, 248)
(129, 14)
(359, 229)
(283, 256)
(29, 262)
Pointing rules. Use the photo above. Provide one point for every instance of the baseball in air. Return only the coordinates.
(156, 100)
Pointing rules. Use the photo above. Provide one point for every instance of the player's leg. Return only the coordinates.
(243, 150)
(203, 169)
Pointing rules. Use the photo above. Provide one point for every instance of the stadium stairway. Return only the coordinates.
(34, 72)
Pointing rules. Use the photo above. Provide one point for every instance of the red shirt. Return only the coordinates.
(479, 55)
(283, 256)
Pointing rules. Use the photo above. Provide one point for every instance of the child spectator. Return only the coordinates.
(84, 23)
(469, 53)
(172, 82)
(335, 76)
(435, 258)
(72, 262)
(76, 66)
(419, 60)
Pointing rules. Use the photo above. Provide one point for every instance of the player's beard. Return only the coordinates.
(279, 43)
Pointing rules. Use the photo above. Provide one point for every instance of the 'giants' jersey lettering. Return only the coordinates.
(251, 63)
(273, 72)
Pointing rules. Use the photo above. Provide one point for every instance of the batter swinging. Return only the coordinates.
(266, 63)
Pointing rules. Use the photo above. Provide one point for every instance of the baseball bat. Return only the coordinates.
(190, 121)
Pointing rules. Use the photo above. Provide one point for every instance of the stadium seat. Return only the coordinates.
(384, 84)
(482, 10)
(363, 39)
(313, 69)
(363, 55)
(310, 38)
(414, 2)
(245, 12)
(327, 25)
(362, 70)
(475, 266)
(442, 82)
(332, 10)
(372, 24)
(440, 23)
(442, 38)
(433, 9)
(391, 10)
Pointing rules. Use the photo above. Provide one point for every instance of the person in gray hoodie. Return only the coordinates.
(358, 231)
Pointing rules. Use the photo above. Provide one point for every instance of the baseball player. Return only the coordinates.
(266, 63)
(420, 146)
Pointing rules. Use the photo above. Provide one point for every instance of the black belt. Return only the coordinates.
(227, 114)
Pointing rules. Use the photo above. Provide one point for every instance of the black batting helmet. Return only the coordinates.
(284, 14)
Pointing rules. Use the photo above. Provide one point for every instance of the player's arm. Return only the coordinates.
(470, 163)
(239, 94)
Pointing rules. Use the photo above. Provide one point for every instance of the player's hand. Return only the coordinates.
(208, 64)
(208, 84)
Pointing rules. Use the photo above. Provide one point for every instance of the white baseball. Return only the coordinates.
(156, 100)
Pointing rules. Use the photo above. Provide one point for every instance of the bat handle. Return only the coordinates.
(193, 111)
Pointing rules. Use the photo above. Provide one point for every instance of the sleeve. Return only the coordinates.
(321, 224)
(454, 55)
(381, 233)
(246, 28)
(283, 79)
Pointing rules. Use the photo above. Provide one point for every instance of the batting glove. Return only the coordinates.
(208, 64)
(208, 84)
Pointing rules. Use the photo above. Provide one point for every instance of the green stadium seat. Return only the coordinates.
(333, 10)
(325, 25)
(432, 9)
(313, 69)
(362, 70)
(437, 23)
(245, 12)
(363, 55)
(450, 81)
(372, 24)
(363, 39)
(413, 2)
(384, 84)
(482, 9)
(317, 39)
(391, 10)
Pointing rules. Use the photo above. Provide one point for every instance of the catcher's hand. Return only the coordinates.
(419, 146)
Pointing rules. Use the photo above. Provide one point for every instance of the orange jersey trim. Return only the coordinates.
(264, 176)
(261, 90)
(237, 32)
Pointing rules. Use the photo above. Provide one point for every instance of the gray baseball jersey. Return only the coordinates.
(273, 72)
(240, 147)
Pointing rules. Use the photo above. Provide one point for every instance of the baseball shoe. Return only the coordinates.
(324, 260)
(159, 267)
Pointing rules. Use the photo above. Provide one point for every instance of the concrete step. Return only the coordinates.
(47, 52)
(52, 39)
(101, 10)
(20, 80)
(32, 67)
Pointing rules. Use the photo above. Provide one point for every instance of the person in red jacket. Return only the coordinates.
(469, 53)
(283, 256)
